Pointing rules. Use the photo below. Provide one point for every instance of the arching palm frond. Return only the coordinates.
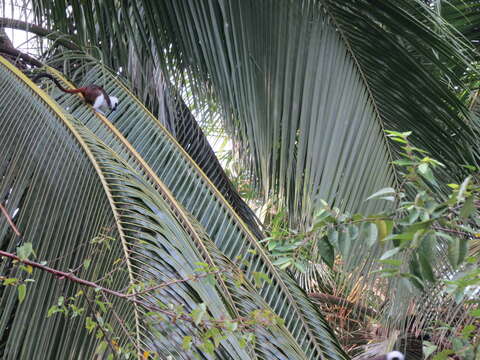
(168, 162)
(308, 86)
(70, 187)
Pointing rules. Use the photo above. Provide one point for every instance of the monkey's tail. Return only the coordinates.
(48, 76)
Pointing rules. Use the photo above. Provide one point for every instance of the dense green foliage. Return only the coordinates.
(410, 243)
(304, 90)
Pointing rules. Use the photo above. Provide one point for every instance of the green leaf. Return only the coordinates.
(207, 346)
(198, 313)
(468, 207)
(382, 192)
(422, 225)
(344, 240)
(231, 326)
(24, 251)
(327, 251)
(416, 279)
(402, 135)
(443, 355)
(384, 228)
(468, 331)
(90, 324)
(300, 266)
(426, 268)
(475, 313)
(86, 263)
(100, 350)
(428, 349)
(463, 189)
(391, 262)
(390, 253)
(53, 309)
(260, 278)
(22, 292)
(283, 262)
(404, 162)
(426, 172)
(332, 235)
(10, 281)
(457, 250)
(372, 235)
(187, 342)
(28, 268)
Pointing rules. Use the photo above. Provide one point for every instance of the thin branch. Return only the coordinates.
(10, 221)
(122, 324)
(61, 274)
(117, 268)
(105, 332)
(40, 31)
(25, 57)
(453, 231)
(64, 275)
(152, 307)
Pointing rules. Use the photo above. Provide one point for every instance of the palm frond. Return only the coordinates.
(190, 186)
(68, 187)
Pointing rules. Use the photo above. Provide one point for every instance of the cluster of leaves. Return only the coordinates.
(23, 253)
(428, 221)
(207, 332)
(211, 331)
(421, 221)
(464, 341)
(96, 323)
(207, 338)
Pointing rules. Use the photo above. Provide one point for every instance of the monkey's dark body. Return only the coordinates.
(91, 93)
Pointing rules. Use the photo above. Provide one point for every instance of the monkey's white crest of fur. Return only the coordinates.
(397, 355)
(114, 102)
(100, 104)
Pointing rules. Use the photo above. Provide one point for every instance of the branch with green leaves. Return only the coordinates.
(211, 331)
(421, 221)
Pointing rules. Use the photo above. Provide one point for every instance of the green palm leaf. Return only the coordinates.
(159, 240)
(69, 187)
(307, 86)
(191, 187)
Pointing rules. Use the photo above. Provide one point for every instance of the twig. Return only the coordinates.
(122, 325)
(109, 340)
(110, 272)
(458, 232)
(64, 275)
(10, 221)
(61, 274)
(69, 276)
